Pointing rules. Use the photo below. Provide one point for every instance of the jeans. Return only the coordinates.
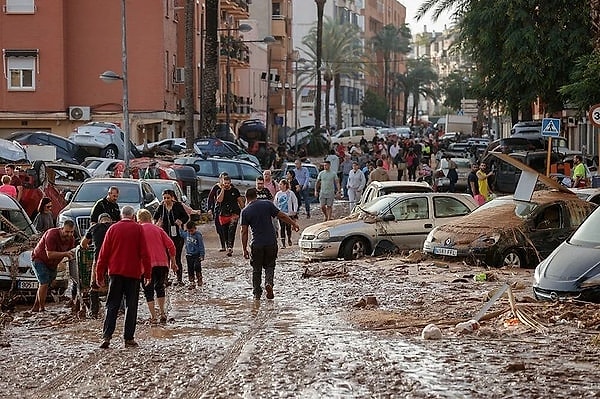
(178, 241)
(304, 195)
(262, 257)
(194, 266)
(129, 288)
(284, 229)
(229, 231)
(344, 184)
(219, 229)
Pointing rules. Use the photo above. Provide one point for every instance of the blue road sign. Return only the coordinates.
(550, 127)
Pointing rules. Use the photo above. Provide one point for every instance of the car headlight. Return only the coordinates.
(593, 281)
(62, 217)
(324, 235)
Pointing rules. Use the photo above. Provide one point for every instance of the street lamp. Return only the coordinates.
(110, 76)
(296, 97)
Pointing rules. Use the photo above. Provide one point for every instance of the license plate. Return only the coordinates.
(445, 251)
(304, 244)
(27, 285)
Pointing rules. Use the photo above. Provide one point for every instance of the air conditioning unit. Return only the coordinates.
(80, 113)
(179, 75)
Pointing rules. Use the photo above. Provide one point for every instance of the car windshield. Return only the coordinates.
(378, 205)
(92, 192)
(11, 152)
(14, 221)
(587, 234)
(158, 187)
(522, 208)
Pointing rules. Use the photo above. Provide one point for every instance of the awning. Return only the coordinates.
(20, 53)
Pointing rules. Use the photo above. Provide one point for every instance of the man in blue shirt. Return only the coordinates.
(303, 177)
(263, 248)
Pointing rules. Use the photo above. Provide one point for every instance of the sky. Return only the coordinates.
(417, 27)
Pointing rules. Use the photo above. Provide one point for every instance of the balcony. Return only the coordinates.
(236, 8)
(279, 26)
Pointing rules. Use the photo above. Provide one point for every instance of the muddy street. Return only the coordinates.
(322, 336)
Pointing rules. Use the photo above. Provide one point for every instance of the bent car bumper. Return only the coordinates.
(316, 249)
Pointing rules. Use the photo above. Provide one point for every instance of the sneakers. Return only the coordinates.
(290, 242)
(222, 250)
(200, 282)
(105, 343)
(229, 251)
(269, 289)
(130, 343)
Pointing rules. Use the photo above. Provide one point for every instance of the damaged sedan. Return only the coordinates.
(388, 224)
(573, 269)
(511, 232)
(18, 237)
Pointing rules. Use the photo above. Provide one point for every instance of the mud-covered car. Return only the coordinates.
(387, 224)
(510, 232)
(17, 240)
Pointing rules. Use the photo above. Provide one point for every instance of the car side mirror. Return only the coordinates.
(388, 217)
(149, 197)
(68, 196)
(184, 199)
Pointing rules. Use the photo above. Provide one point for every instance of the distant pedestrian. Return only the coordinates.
(356, 184)
(269, 183)
(452, 174)
(482, 176)
(262, 251)
(14, 180)
(214, 208)
(161, 250)
(95, 234)
(44, 220)
(346, 167)
(7, 188)
(230, 203)
(473, 181)
(108, 205)
(261, 191)
(290, 176)
(379, 173)
(303, 177)
(326, 188)
(55, 245)
(171, 216)
(286, 201)
(124, 255)
(194, 253)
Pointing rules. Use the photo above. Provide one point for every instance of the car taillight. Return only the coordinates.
(108, 131)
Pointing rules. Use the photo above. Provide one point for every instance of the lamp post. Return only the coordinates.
(110, 76)
(296, 98)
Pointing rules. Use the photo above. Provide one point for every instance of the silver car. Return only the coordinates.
(388, 224)
(103, 139)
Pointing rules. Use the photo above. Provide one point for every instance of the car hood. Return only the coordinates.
(353, 222)
(568, 267)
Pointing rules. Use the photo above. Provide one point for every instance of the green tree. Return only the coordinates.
(391, 40)
(374, 106)
(456, 86)
(420, 80)
(584, 91)
(319, 49)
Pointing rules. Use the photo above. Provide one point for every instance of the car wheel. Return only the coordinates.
(110, 152)
(204, 202)
(354, 248)
(513, 259)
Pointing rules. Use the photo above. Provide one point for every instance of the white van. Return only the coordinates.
(353, 135)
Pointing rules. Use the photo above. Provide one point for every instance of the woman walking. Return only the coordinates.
(171, 216)
(287, 202)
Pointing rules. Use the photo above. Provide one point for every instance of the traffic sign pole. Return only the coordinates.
(594, 116)
(549, 156)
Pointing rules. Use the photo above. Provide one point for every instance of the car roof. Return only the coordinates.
(21, 133)
(398, 183)
(113, 181)
(8, 202)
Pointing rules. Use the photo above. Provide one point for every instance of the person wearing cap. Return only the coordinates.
(108, 205)
(95, 235)
(152, 171)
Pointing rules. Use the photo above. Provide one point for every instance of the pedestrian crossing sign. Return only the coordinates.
(550, 127)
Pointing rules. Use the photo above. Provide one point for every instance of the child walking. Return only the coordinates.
(194, 249)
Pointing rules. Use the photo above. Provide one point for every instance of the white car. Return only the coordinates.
(175, 144)
(103, 139)
(388, 224)
(101, 167)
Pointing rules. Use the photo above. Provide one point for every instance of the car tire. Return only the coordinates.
(354, 248)
(40, 173)
(513, 258)
(204, 202)
(110, 152)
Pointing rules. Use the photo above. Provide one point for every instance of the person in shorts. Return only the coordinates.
(326, 189)
(55, 245)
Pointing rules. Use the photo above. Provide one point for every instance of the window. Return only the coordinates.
(276, 9)
(449, 207)
(20, 6)
(20, 68)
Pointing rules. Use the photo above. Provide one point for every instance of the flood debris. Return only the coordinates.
(367, 301)
(512, 367)
(431, 332)
(466, 327)
(333, 270)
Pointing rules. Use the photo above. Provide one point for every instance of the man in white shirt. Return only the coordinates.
(356, 184)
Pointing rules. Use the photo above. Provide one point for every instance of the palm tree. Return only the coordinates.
(210, 70)
(320, 10)
(391, 40)
(418, 81)
(341, 54)
(190, 7)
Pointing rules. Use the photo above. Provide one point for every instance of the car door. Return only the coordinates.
(550, 228)
(249, 175)
(413, 220)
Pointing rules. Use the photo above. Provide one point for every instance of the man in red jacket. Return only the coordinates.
(124, 254)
